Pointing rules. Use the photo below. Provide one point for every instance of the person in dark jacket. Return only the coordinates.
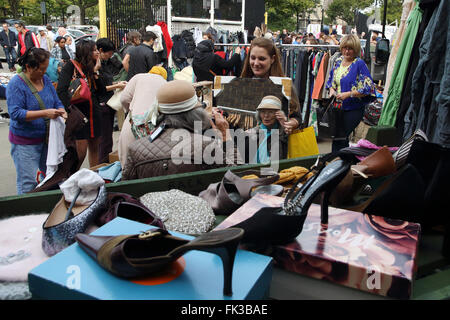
(142, 57)
(87, 57)
(207, 64)
(8, 41)
(26, 39)
(111, 66)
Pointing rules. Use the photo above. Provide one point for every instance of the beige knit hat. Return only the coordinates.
(270, 102)
(176, 96)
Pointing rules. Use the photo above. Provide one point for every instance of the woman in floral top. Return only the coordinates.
(350, 82)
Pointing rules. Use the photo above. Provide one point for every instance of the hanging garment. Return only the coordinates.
(331, 62)
(430, 93)
(307, 88)
(408, 5)
(157, 45)
(198, 35)
(301, 73)
(166, 36)
(179, 52)
(320, 79)
(428, 7)
(389, 112)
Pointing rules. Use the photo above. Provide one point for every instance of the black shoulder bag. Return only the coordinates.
(330, 120)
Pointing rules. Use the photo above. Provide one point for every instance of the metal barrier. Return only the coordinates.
(126, 15)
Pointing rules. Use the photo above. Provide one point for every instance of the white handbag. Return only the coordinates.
(114, 101)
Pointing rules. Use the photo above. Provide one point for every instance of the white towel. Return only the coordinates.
(88, 181)
(56, 147)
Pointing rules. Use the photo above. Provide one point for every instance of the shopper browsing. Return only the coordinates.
(29, 112)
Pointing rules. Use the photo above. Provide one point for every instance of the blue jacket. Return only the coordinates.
(4, 41)
(20, 100)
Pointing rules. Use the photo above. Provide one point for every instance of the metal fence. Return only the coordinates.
(126, 15)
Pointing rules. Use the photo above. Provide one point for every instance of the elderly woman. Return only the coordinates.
(31, 100)
(178, 144)
(350, 82)
(269, 137)
(137, 99)
(263, 61)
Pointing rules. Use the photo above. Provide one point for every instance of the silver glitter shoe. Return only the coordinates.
(68, 219)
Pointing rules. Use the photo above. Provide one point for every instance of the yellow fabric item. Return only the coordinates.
(302, 143)
(159, 70)
(250, 176)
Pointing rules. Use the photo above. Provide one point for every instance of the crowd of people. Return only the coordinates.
(61, 45)
(33, 97)
(285, 37)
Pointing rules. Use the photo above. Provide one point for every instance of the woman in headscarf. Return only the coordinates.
(137, 99)
(207, 64)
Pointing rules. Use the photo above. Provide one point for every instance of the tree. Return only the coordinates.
(345, 9)
(280, 19)
(85, 4)
(14, 6)
(300, 6)
(394, 10)
(284, 11)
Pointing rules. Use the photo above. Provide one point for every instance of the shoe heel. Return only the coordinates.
(324, 206)
(227, 254)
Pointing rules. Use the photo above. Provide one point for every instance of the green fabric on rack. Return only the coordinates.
(390, 108)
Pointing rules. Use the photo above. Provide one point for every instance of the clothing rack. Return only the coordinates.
(279, 45)
(237, 110)
(232, 44)
(309, 45)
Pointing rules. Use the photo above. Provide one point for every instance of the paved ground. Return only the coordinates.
(7, 169)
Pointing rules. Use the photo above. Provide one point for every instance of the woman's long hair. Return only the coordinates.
(84, 56)
(276, 70)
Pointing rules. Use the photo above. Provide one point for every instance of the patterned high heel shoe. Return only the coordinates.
(130, 256)
(68, 219)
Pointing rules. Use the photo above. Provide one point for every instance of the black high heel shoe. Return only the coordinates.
(142, 254)
(283, 224)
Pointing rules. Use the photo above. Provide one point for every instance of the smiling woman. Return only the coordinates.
(263, 61)
(350, 81)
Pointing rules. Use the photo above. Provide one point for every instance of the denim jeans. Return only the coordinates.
(11, 56)
(28, 159)
(351, 120)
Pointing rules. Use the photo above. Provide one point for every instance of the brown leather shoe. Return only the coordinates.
(227, 196)
(378, 164)
(130, 256)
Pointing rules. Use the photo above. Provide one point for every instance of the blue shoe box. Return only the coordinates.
(72, 274)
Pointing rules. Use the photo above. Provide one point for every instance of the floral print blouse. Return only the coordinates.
(355, 77)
